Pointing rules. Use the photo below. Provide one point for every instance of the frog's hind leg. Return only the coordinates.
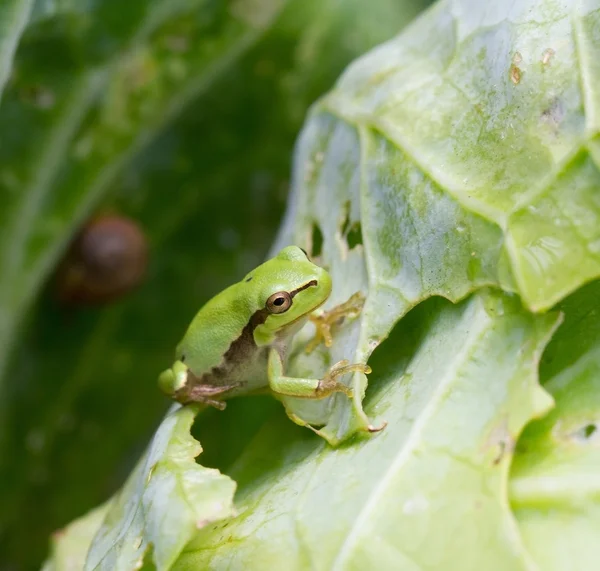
(311, 388)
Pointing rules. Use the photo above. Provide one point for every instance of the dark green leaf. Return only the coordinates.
(80, 394)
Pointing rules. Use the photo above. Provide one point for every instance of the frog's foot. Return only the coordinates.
(371, 428)
(297, 420)
(205, 394)
(329, 383)
(301, 422)
(324, 322)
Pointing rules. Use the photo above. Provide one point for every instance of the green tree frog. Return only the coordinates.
(237, 343)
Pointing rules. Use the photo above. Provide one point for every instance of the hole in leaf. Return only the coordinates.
(346, 223)
(354, 236)
(317, 241)
(351, 232)
(588, 430)
(392, 355)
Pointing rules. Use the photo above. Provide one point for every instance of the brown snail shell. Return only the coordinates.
(107, 259)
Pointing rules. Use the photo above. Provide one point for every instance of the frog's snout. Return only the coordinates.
(171, 380)
(166, 382)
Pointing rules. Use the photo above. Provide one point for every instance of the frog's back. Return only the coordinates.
(218, 324)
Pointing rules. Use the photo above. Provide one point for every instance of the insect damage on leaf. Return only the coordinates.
(515, 72)
(547, 55)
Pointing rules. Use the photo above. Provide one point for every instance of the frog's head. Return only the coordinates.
(285, 289)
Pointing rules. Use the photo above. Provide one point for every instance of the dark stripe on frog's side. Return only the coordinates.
(244, 345)
(239, 351)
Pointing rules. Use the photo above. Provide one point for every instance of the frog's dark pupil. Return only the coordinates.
(279, 301)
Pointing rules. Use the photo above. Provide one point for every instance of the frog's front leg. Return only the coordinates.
(178, 382)
(310, 388)
(324, 321)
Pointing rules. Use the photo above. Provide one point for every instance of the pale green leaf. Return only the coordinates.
(456, 384)
(458, 153)
(167, 498)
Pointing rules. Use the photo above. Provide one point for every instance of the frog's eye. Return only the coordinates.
(279, 302)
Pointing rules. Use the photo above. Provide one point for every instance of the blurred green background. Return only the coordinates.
(182, 115)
